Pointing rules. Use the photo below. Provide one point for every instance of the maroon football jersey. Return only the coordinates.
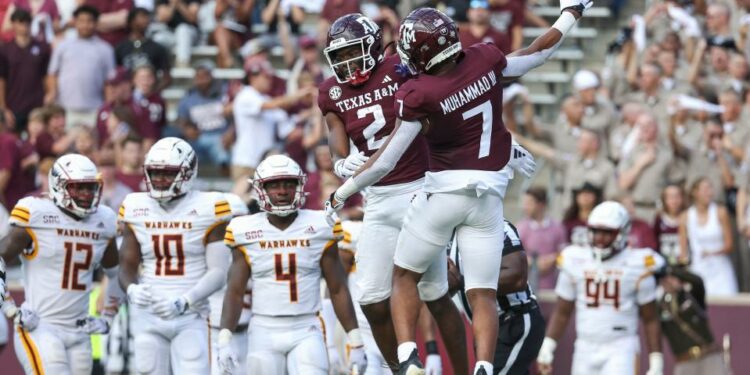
(369, 115)
(667, 237)
(464, 111)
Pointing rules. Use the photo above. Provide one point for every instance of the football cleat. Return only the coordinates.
(412, 366)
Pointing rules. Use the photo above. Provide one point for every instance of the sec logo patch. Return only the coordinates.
(334, 92)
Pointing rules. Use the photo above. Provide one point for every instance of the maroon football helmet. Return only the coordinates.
(426, 38)
(354, 48)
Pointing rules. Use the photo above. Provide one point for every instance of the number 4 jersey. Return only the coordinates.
(369, 116)
(284, 264)
(607, 294)
(59, 266)
(173, 242)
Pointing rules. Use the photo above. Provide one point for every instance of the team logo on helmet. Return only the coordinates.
(334, 93)
(407, 35)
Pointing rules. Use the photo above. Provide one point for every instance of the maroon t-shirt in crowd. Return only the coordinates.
(501, 40)
(577, 232)
(151, 115)
(24, 70)
(464, 109)
(103, 116)
(333, 9)
(369, 117)
(110, 6)
(135, 182)
(43, 146)
(641, 235)
(505, 17)
(667, 236)
(12, 151)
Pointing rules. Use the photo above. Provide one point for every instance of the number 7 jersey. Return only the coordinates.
(173, 242)
(58, 269)
(369, 117)
(607, 295)
(284, 264)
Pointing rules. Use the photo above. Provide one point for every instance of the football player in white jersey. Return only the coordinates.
(176, 234)
(285, 250)
(61, 241)
(609, 285)
(239, 339)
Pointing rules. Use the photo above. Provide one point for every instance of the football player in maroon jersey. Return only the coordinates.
(455, 101)
(358, 103)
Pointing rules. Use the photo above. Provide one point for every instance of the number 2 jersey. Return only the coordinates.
(58, 269)
(607, 309)
(173, 241)
(284, 264)
(369, 117)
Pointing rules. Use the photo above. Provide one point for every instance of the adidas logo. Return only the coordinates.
(518, 154)
(387, 79)
(194, 212)
(310, 230)
(100, 225)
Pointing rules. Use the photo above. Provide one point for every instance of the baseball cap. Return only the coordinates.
(585, 79)
(254, 65)
(479, 4)
(306, 42)
(120, 75)
(204, 65)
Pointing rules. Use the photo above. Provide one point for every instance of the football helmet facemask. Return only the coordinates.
(75, 185)
(170, 168)
(277, 168)
(426, 38)
(609, 216)
(353, 48)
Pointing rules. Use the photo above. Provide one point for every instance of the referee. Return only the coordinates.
(521, 323)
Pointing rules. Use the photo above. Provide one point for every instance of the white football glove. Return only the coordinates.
(140, 295)
(331, 209)
(655, 364)
(171, 308)
(227, 360)
(521, 160)
(547, 351)
(357, 356)
(93, 325)
(433, 365)
(577, 5)
(346, 168)
(26, 318)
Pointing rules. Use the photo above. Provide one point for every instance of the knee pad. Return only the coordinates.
(147, 349)
(432, 290)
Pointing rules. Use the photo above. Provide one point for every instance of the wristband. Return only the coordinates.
(656, 361)
(225, 337)
(432, 347)
(346, 190)
(564, 23)
(354, 338)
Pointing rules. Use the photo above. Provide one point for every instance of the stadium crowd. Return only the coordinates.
(662, 125)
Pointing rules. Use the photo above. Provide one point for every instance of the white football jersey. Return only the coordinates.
(173, 241)
(284, 264)
(607, 309)
(58, 269)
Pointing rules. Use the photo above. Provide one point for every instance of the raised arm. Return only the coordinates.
(523, 60)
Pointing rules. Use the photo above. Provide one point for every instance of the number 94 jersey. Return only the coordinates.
(607, 294)
(173, 242)
(284, 264)
(369, 117)
(59, 266)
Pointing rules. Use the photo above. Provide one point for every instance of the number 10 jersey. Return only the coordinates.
(284, 264)
(173, 242)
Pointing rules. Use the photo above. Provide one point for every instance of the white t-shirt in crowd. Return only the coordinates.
(256, 128)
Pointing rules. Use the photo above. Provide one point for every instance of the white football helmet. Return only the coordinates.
(171, 155)
(279, 167)
(610, 215)
(69, 170)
